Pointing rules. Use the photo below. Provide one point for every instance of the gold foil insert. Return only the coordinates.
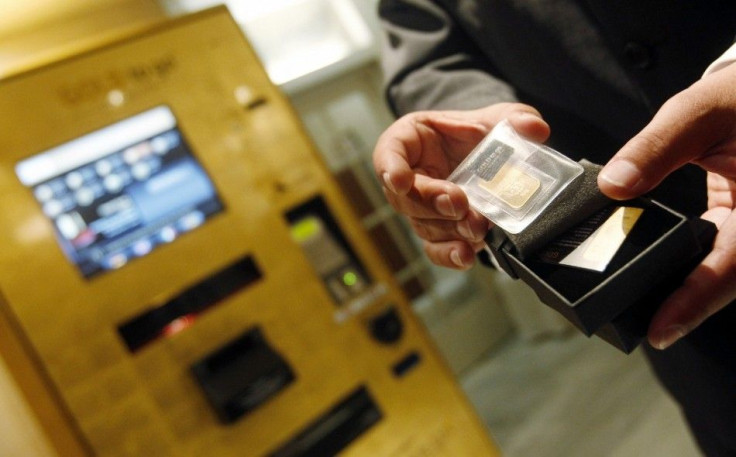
(512, 186)
(598, 250)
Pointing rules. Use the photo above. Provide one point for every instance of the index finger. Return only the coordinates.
(423, 142)
(685, 128)
(391, 161)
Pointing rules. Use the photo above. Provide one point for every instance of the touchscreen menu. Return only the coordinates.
(120, 192)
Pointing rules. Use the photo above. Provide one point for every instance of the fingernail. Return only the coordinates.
(669, 336)
(525, 115)
(455, 257)
(621, 173)
(444, 205)
(463, 228)
(387, 182)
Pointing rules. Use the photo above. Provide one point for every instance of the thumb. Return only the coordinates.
(683, 129)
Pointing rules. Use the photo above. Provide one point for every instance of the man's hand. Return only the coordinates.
(414, 156)
(698, 126)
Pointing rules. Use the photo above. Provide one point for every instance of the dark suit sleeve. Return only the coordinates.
(429, 63)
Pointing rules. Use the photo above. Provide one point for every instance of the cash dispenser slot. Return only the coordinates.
(336, 429)
(242, 375)
(181, 311)
(328, 251)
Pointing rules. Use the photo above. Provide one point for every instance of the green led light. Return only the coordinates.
(349, 278)
(305, 229)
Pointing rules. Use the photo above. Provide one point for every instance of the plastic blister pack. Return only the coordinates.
(511, 180)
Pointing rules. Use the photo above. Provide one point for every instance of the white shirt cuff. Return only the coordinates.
(728, 57)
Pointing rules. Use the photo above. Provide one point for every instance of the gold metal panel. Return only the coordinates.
(262, 164)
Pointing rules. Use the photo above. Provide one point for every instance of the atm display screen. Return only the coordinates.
(120, 192)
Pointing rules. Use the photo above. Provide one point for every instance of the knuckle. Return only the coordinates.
(416, 118)
(647, 146)
(430, 250)
(649, 141)
(421, 229)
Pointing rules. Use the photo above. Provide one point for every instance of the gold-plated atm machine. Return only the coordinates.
(180, 276)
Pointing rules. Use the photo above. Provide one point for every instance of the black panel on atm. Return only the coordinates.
(242, 375)
(183, 309)
(334, 430)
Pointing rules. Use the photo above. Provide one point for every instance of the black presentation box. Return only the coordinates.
(617, 304)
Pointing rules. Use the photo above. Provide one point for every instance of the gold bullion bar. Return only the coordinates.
(512, 186)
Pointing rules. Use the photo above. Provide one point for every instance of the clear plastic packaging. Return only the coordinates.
(511, 180)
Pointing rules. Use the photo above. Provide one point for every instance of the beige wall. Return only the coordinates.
(20, 433)
(36, 30)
